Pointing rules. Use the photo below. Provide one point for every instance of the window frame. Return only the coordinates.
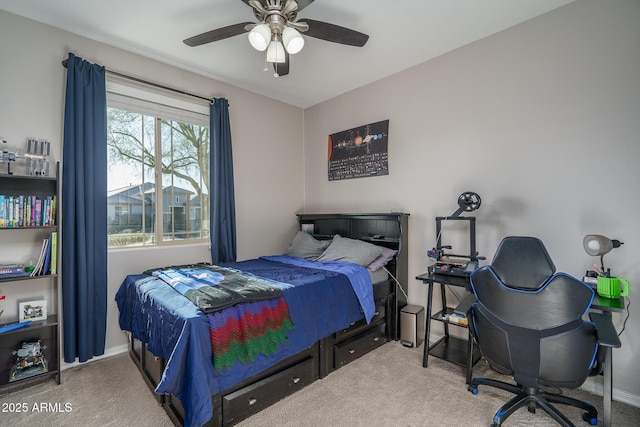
(160, 107)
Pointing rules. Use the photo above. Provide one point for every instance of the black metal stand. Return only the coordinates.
(473, 254)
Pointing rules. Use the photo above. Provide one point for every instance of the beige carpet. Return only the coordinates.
(387, 387)
(108, 392)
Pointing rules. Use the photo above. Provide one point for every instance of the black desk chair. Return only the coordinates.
(527, 322)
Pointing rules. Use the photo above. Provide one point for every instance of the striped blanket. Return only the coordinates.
(243, 331)
(247, 315)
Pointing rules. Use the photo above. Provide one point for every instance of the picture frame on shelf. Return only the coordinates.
(34, 311)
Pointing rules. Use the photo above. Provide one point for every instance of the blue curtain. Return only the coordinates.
(221, 193)
(84, 211)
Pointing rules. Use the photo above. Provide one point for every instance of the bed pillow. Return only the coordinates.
(306, 246)
(386, 256)
(351, 250)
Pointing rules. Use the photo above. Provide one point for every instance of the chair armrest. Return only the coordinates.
(464, 307)
(607, 335)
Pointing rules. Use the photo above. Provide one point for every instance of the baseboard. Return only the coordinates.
(113, 351)
(593, 385)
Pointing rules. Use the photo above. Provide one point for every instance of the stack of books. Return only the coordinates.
(47, 261)
(46, 264)
(12, 270)
(27, 211)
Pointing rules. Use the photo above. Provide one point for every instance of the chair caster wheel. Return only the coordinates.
(590, 419)
(472, 389)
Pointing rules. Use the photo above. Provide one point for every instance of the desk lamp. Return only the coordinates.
(596, 244)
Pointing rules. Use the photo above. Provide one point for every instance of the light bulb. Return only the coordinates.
(292, 40)
(275, 52)
(260, 36)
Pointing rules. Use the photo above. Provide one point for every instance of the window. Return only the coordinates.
(158, 162)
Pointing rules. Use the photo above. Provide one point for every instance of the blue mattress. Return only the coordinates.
(322, 298)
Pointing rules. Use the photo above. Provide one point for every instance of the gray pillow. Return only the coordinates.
(351, 250)
(306, 246)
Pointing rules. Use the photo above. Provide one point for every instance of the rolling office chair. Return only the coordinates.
(527, 322)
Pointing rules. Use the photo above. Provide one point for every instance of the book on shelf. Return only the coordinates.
(27, 211)
(3, 211)
(8, 265)
(47, 258)
(10, 211)
(12, 270)
(52, 211)
(38, 213)
(54, 252)
(37, 271)
(19, 214)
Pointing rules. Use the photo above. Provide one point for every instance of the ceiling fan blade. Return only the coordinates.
(334, 33)
(218, 34)
(282, 69)
(303, 3)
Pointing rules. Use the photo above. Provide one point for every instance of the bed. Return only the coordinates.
(327, 313)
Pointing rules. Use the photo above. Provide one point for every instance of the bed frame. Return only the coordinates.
(325, 356)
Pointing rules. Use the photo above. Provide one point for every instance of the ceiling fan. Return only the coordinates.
(278, 33)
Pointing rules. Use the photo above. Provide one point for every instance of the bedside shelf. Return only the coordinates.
(449, 348)
(31, 205)
(19, 278)
(51, 321)
(453, 350)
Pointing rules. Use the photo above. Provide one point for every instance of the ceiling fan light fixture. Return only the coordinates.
(292, 40)
(260, 36)
(277, 33)
(275, 51)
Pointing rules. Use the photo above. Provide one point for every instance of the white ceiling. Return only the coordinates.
(403, 33)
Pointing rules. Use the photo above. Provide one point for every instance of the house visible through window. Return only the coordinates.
(158, 183)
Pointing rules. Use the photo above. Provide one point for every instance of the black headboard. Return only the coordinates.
(384, 229)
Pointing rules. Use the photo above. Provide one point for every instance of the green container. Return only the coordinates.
(612, 287)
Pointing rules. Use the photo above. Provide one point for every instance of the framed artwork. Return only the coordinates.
(32, 310)
(359, 152)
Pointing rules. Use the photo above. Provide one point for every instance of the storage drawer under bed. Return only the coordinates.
(148, 364)
(271, 385)
(361, 325)
(349, 350)
(153, 367)
(253, 398)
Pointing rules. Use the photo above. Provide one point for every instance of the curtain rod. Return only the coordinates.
(146, 82)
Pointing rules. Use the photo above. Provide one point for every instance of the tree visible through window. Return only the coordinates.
(158, 179)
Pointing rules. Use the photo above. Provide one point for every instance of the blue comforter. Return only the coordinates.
(322, 297)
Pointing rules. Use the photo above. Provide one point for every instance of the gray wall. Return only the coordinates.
(542, 120)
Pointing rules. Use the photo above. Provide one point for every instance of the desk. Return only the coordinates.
(449, 348)
(607, 307)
